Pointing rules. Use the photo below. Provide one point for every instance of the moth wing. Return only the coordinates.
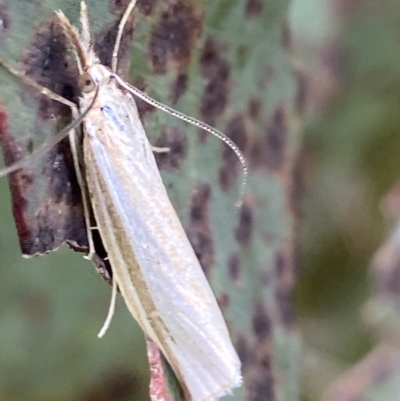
(154, 264)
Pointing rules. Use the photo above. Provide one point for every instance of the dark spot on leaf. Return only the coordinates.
(284, 297)
(215, 69)
(223, 301)
(48, 62)
(119, 6)
(243, 351)
(145, 6)
(47, 203)
(254, 8)
(279, 264)
(254, 108)
(198, 230)
(275, 137)
(296, 189)
(286, 273)
(244, 231)
(270, 150)
(286, 36)
(234, 267)
(4, 20)
(261, 323)
(44, 222)
(175, 139)
(259, 373)
(174, 37)
(230, 167)
(179, 87)
(29, 146)
(301, 94)
(261, 385)
(114, 385)
(105, 41)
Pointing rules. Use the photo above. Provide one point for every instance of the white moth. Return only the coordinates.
(153, 263)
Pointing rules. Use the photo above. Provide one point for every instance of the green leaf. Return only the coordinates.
(229, 64)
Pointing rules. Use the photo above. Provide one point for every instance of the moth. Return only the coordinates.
(153, 263)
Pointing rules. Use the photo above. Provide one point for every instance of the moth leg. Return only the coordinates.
(157, 149)
(111, 309)
(119, 35)
(82, 186)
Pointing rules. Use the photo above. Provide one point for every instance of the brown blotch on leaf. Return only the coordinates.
(259, 374)
(4, 20)
(254, 108)
(279, 264)
(145, 6)
(296, 188)
(286, 36)
(176, 140)
(261, 323)
(286, 273)
(234, 267)
(244, 231)
(105, 41)
(48, 62)
(243, 351)
(230, 166)
(285, 300)
(173, 39)
(223, 301)
(254, 8)
(302, 92)
(198, 230)
(215, 69)
(179, 87)
(260, 382)
(44, 222)
(46, 198)
(269, 150)
(119, 6)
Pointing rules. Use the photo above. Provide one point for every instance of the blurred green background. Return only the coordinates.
(349, 54)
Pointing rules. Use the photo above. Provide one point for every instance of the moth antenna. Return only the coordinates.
(111, 310)
(85, 37)
(46, 146)
(121, 27)
(85, 33)
(196, 123)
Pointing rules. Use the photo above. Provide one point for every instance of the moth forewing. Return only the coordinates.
(153, 262)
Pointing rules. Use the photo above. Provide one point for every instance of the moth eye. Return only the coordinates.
(86, 83)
